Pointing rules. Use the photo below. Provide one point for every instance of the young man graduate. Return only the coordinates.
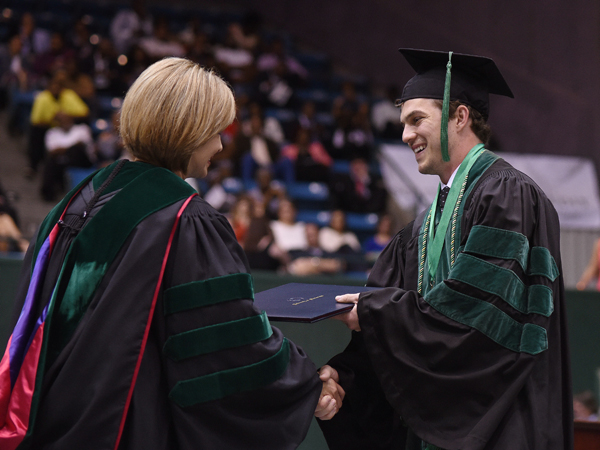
(466, 346)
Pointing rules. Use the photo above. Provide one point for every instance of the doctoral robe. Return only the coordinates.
(476, 356)
(146, 336)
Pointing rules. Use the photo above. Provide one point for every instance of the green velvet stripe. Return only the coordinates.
(208, 292)
(218, 337)
(94, 249)
(489, 320)
(541, 262)
(503, 283)
(227, 382)
(498, 243)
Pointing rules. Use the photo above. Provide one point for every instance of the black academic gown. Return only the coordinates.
(481, 361)
(169, 352)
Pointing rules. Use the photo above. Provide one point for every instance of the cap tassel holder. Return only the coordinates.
(446, 111)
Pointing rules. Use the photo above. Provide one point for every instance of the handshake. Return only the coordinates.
(332, 394)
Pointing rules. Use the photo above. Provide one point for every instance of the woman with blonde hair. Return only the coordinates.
(135, 326)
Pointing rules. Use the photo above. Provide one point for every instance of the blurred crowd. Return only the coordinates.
(63, 72)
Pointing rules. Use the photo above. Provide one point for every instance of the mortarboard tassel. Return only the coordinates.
(446, 111)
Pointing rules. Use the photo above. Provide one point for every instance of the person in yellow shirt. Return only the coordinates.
(47, 103)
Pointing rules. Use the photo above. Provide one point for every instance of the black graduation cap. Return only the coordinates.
(473, 78)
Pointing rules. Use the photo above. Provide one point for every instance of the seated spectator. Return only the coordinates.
(11, 239)
(260, 247)
(385, 116)
(106, 70)
(307, 118)
(267, 193)
(129, 24)
(375, 244)
(240, 217)
(234, 62)
(272, 129)
(55, 58)
(310, 159)
(245, 34)
(277, 86)
(68, 145)
(109, 145)
(352, 135)
(79, 39)
(287, 233)
(47, 103)
(7, 207)
(268, 62)
(336, 238)
(585, 406)
(34, 40)
(257, 150)
(314, 260)
(81, 83)
(346, 104)
(358, 190)
(161, 43)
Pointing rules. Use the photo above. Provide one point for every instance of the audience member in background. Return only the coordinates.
(47, 103)
(34, 40)
(259, 245)
(385, 115)
(375, 244)
(268, 62)
(161, 43)
(257, 150)
(216, 194)
(310, 159)
(129, 25)
(81, 83)
(336, 238)
(346, 104)
(352, 135)
(107, 73)
(109, 145)
(272, 128)
(7, 207)
(68, 145)
(267, 193)
(585, 406)
(13, 66)
(314, 260)
(200, 50)
(592, 269)
(235, 62)
(240, 217)
(246, 33)
(288, 234)
(358, 190)
(55, 58)
(307, 118)
(79, 40)
(11, 238)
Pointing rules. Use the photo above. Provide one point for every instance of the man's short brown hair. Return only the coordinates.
(479, 125)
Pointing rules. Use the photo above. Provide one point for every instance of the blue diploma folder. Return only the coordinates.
(300, 302)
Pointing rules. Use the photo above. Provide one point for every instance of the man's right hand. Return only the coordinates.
(332, 394)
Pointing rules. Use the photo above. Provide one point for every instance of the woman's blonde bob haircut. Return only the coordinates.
(173, 108)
